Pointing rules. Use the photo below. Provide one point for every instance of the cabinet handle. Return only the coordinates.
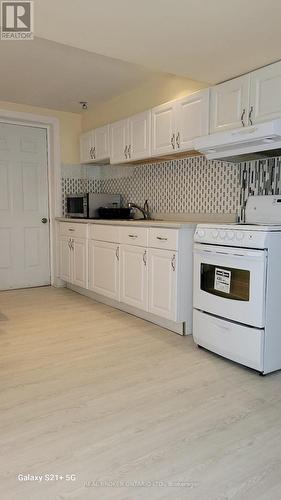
(129, 150)
(250, 115)
(161, 239)
(144, 258)
(242, 117)
(70, 229)
(94, 153)
(132, 235)
(178, 140)
(125, 151)
(117, 253)
(69, 243)
(173, 141)
(173, 262)
(72, 244)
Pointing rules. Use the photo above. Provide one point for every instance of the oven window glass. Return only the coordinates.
(225, 282)
(75, 205)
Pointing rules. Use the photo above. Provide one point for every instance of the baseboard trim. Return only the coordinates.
(179, 328)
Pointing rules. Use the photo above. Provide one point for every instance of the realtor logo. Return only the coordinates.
(17, 20)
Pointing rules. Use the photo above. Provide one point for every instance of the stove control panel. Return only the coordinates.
(232, 236)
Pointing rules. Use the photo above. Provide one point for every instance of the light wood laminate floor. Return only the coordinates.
(92, 391)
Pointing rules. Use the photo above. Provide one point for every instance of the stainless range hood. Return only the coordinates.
(259, 141)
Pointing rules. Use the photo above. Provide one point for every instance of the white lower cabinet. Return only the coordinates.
(104, 268)
(134, 276)
(65, 258)
(73, 258)
(162, 290)
(148, 269)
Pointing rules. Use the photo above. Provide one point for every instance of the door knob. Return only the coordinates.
(44, 220)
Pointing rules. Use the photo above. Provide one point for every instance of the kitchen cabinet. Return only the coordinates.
(163, 275)
(229, 105)
(94, 145)
(65, 267)
(87, 147)
(177, 123)
(163, 129)
(143, 270)
(265, 93)
(131, 138)
(73, 254)
(134, 276)
(104, 268)
(192, 119)
(249, 99)
(119, 141)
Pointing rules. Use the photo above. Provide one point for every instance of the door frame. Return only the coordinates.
(51, 124)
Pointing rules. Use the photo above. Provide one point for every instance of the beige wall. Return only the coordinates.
(160, 89)
(70, 128)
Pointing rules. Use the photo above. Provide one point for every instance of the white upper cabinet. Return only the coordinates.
(265, 93)
(94, 145)
(101, 143)
(87, 147)
(163, 129)
(177, 123)
(119, 141)
(249, 99)
(131, 138)
(229, 104)
(139, 146)
(192, 119)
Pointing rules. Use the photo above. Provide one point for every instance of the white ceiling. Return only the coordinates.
(205, 40)
(52, 75)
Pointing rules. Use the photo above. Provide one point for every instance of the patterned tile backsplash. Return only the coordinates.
(189, 185)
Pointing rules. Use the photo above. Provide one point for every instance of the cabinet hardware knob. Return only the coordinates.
(132, 235)
(44, 220)
(242, 117)
(126, 152)
(173, 141)
(173, 262)
(161, 239)
(178, 140)
(144, 258)
(117, 253)
(250, 115)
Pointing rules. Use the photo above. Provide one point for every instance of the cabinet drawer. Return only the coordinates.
(74, 229)
(134, 236)
(105, 233)
(163, 238)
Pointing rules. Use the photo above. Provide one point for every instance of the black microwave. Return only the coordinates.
(86, 205)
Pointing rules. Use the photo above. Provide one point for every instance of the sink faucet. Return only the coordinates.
(145, 210)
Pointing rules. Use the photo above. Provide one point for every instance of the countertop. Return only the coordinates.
(135, 222)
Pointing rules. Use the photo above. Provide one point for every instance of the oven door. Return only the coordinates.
(230, 282)
(77, 205)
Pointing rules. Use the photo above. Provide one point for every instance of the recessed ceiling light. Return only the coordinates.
(84, 104)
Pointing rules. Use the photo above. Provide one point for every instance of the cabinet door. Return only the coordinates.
(65, 256)
(87, 147)
(265, 94)
(134, 276)
(102, 143)
(163, 129)
(140, 136)
(230, 104)
(192, 119)
(104, 268)
(80, 262)
(119, 141)
(162, 266)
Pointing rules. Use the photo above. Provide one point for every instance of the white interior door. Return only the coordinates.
(24, 238)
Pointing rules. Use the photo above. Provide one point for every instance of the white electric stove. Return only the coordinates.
(237, 286)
